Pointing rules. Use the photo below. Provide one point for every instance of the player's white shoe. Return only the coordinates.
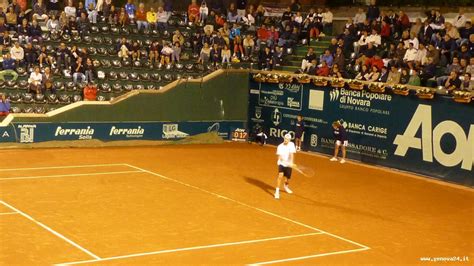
(277, 194)
(333, 159)
(288, 190)
(342, 161)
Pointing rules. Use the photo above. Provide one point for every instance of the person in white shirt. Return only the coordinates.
(414, 40)
(460, 20)
(70, 9)
(375, 38)
(421, 58)
(35, 81)
(327, 21)
(286, 153)
(203, 12)
(359, 17)
(17, 53)
(410, 55)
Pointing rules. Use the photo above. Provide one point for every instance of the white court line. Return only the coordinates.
(68, 175)
(252, 207)
(61, 167)
(8, 213)
(191, 248)
(51, 230)
(310, 256)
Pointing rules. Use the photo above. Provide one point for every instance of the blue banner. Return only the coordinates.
(430, 137)
(39, 132)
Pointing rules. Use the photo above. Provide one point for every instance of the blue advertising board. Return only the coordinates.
(430, 137)
(39, 132)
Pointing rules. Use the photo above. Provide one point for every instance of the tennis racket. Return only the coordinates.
(304, 170)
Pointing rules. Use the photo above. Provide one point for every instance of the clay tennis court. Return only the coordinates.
(213, 204)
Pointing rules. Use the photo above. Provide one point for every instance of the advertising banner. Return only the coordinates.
(39, 132)
(430, 137)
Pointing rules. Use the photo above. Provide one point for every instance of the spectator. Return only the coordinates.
(225, 55)
(154, 54)
(17, 53)
(428, 70)
(130, 10)
(30, 55)
(433, 53)
(363, 73)
(5, 39)
(404, 77)
(232, 15)
(414, 79)
(45, 57)
(161, 19)
(295, 6)
(460, 20)
(4, 105)
(70, 9)
(176, 52)
(135, 51)
(53, 24)
(16, 6)
(9, 63)
(426, 32)
(91, 11)
(465, 33)
(123, 18)
(193, 12)
(453, 82)
(452, 31)
(263, 36)
(241, 7)
(249, 45)
(278, 57)
(421, 57)
(166, 53)
(416, 28)
(374, 38)
(11, 19)
(306, 62)
(35, 81)
(77, 70)
(205, 54)
(374, 75)
(203, 13)
(39, 11)
(216, 55)
(327, 57)
(266, 59)
(323, 70)
(335, 72)
(359, 17)
(23, 31)
(327, 21)
(383, 75)
(259, 15)
(385, 33)
(467, 84)
(140, 16)
(90, 92)
(80, 9)
(83, 25)
(238, 47)
(411, 56)
(90, 71)
(339, 57)
(373, 11)
(178, 37)
(47, 81)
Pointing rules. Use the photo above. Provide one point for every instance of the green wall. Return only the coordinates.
(224, 97)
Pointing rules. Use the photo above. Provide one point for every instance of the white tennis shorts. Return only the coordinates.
(338, 143)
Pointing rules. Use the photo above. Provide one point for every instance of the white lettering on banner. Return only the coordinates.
(362, 101)
(129, 132)
(280, 133)
(5, 134)
(27, 133)
(170, 131)
(430, 142)
(82, 133)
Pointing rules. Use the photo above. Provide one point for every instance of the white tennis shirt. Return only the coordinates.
(283, 152)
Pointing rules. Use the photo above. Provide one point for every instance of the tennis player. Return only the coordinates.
(341, 141)
(285, 152)
(299, 130)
